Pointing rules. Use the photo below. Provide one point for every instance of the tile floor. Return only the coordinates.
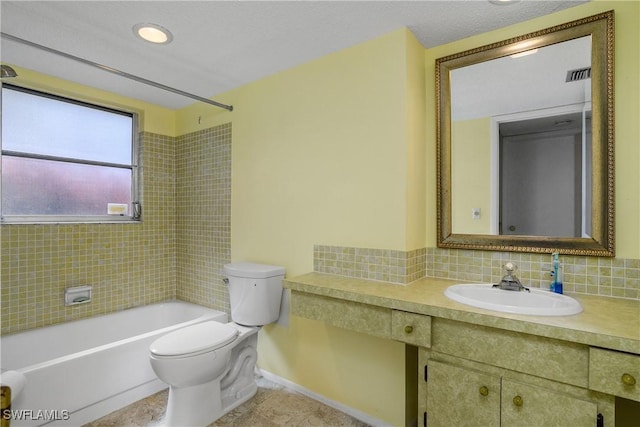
(273, 405)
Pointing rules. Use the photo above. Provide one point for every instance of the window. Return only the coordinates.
(65, 160)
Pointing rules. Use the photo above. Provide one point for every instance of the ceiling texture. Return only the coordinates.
(221, 45)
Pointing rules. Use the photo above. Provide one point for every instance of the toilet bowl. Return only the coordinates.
(210, 366)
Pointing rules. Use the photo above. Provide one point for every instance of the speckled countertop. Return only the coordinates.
(612, 323)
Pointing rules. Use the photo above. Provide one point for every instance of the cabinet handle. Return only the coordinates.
(628, 379)
(484, 391)
(518, 401)
(408, 329)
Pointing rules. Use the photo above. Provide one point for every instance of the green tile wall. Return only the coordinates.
(127, 264)
(612, 277)
(177, 251)
(374, 264)
(203, 171)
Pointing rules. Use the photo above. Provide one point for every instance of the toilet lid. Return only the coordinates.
(198, 338)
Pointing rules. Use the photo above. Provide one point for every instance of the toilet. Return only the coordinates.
(210, 366)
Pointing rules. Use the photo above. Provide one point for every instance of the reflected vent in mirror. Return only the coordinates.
(579, 74)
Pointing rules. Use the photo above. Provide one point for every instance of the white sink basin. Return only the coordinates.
(537, 302)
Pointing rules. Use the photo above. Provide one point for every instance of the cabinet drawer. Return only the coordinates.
(616, 373)
(544, 357)
(411, 328)
(355, 316)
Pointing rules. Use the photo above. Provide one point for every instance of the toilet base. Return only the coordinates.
(239, 384)
(239, 398)
(194, 405)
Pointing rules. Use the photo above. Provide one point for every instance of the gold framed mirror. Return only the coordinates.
(525, 142)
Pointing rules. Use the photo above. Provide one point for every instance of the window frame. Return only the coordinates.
(135, 214)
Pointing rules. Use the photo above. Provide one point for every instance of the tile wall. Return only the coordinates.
(614, 277)
(127, 264)
(177, 251)
(203, 176)
(375, 264)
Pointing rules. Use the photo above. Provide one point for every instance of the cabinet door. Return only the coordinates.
(461, 397)
(525, 405)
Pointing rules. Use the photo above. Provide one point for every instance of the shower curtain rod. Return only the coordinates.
(116, 72)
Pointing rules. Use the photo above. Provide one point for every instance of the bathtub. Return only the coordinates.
(82, 370)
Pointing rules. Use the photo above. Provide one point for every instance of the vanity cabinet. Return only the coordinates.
(494, 377)
(466, 397)
(474, 374)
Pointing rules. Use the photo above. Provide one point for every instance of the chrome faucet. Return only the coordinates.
(510, 281)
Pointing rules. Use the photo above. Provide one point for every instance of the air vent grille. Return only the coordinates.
(579, 74)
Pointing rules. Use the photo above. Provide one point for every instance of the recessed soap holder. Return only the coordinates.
(77, 295)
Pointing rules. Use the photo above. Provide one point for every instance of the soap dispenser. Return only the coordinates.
(556, 273)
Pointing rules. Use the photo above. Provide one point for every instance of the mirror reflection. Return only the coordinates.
(521, 142)
(525, 142)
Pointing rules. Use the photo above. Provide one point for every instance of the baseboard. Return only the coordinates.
(361, 416)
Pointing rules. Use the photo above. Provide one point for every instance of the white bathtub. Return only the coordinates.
(79, 371)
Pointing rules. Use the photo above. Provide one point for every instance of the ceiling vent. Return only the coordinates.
(579, 74)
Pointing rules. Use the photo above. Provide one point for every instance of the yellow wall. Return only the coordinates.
(320, 153)
(470, 178)
(627, 110)
(330, 152)
(416, 150)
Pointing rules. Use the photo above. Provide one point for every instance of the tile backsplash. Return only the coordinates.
(613, 277)
(375, 264)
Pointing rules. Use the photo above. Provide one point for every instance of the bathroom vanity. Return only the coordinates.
(478, 367)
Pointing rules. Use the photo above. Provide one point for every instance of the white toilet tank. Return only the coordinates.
(255, 291)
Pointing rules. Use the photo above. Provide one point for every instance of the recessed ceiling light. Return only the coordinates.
(153, 33)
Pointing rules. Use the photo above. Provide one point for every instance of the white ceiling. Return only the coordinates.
(221, 45)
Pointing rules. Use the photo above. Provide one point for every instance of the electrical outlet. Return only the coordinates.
(475, 213)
